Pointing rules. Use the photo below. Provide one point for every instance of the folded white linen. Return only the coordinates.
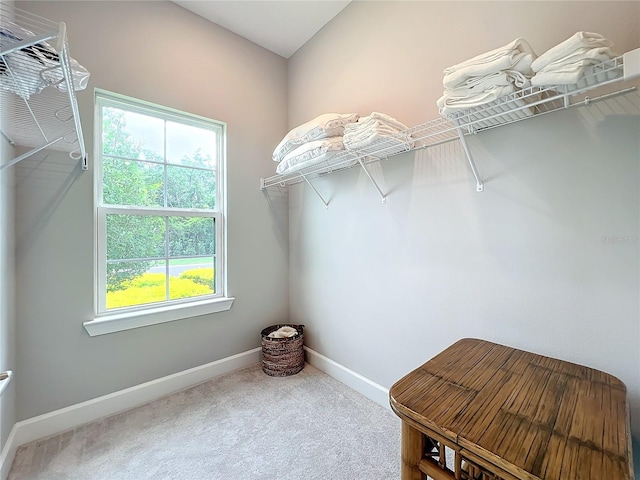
(374, 124)
(520, 62)
(322, 126)
(599, 54)
(385, 140)
(475, 85)
(377, 116)
(503, 77)
(374, 128)
(566, 74)
(518, 56)
(309, 153)
(519, 45)
(378, 126)
(565, 48)
(450, 104)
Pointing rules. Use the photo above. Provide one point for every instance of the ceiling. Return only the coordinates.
(280, 26)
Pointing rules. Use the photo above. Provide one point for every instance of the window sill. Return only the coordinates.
(142, 318)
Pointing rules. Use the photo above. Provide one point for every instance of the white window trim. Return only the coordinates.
(141, 316)
(153, 316)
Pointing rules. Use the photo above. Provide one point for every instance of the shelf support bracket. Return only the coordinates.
(29, 153)
(326, 204)
(375, 184)
(463, 141)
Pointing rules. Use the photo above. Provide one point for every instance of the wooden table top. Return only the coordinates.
(533, 416)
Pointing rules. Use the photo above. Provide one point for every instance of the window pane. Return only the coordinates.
(128, 182)
(132, 135)
(191, 277)
(131, 237)
(156, 165)
(141, 289)
(190, 187)
(191, 236)
(189, 145)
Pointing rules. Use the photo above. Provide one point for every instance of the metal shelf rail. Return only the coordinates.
(37, 87)
(521, 105)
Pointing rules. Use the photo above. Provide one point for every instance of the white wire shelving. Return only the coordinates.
(524, 104)
(37, 87)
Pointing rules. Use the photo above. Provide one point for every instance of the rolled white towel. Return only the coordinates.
(276, 334)
(283, 332)
(288, 331)
(570, 45)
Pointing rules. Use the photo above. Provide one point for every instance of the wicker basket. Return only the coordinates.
(282, 357)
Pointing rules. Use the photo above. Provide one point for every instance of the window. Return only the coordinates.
(159, 209)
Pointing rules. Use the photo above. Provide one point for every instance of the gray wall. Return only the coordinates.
(158, 52)
(7, 277)
(527, 263)
(7, 282)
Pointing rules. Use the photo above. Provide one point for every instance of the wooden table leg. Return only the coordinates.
(413, 442)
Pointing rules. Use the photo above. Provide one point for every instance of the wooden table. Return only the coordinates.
(507, 414)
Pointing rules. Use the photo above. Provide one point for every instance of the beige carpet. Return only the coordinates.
(243, 425)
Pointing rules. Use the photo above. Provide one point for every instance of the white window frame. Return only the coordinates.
(108, 321)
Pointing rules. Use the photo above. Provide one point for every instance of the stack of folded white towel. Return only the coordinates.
(483, 79)
(316, 141)
(374, 128)
(572, 62)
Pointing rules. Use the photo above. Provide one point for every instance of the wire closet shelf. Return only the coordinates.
(524, 104)
(40, 109)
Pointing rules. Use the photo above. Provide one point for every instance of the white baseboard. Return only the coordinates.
(360, 384)
(81, 413)
(8, 452)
